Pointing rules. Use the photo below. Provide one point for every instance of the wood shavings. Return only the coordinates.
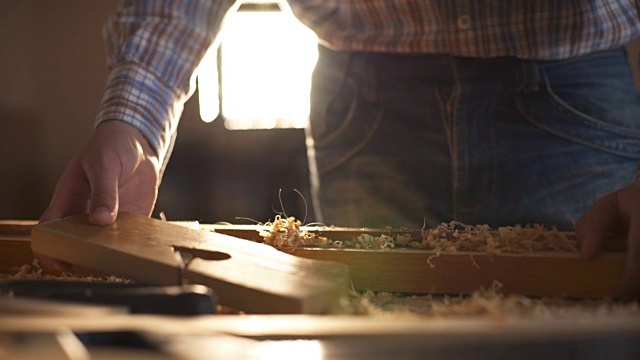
(456, 236)
(473, 261)
(286, 232)
(447, 237)
(489, 303)
(451, 238)
(35, 271)
(431, 265)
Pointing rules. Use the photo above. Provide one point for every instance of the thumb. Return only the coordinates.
(592, 227)
(103, 205)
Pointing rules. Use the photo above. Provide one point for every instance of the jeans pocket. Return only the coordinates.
(344, 116)
(590, 101)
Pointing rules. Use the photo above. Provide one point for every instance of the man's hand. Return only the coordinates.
(116, 171)
(617, 213)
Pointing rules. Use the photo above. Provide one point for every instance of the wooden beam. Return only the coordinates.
(460, 330)
(535, 274)
(245, 275)
(14, 252)
(16, 228)
(418, 271)
(421, 271)
(613, 243)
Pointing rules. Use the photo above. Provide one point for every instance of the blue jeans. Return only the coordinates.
(406, 140)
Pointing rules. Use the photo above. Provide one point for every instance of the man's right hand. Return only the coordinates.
(116, 171)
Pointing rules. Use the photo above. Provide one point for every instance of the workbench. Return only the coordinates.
(378, 334)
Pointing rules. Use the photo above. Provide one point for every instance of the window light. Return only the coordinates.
(266, 60)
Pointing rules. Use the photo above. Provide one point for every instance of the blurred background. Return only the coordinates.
(52, 74)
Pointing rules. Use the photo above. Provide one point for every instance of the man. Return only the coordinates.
(422, 112)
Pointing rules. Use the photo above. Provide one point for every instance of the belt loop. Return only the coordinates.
(530, 77)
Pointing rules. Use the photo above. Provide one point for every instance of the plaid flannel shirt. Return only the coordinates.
(155, 46)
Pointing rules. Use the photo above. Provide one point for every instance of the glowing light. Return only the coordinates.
(208, 86)
(290, 350)
(266, 65)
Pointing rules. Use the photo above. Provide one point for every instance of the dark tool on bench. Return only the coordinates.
(138, 298)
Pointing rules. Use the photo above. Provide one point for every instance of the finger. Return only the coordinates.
(103, 180)
(53, 266)
(139, 194)
(65, 204)
(71, 195)
(592, 227)
(138, 209)
(631, 280)
(58, 267)
(142, 203)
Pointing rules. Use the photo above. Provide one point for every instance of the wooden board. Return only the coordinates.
(420, 271)
(252, 232)
(14, 253)
(457, 329)
(245, 275)
(16, 228)
(352, 337)
(536, 274)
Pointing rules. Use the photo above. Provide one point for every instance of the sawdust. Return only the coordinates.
(34, 270)
(490, 303)
(447, 238)
(450, 238)
(456, 236)
(286, 232)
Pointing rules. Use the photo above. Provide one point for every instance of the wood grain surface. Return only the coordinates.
(535, 274)
(419, 271)
(245, 275)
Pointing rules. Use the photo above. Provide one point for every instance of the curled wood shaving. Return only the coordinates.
(490, 303)
(456, 236)
(446, 237)
(34, 270)
(286, 232)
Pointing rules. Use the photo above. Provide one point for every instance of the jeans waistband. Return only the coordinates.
(453, 68)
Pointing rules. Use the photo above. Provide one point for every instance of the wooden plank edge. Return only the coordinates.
(532, 274)
(16, 227)
(613, 243)
(343, 326)
(14, 252)
(419, 271)
(252, 232)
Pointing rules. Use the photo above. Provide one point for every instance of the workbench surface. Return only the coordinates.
(379, 325)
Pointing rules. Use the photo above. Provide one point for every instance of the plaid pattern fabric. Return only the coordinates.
(528, 29)
(155, 46)
(153, 49)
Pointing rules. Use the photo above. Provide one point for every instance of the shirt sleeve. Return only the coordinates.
(153, 49)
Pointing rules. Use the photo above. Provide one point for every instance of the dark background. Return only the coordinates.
(52, 74)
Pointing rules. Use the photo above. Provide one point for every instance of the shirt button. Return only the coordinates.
(464, 22)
